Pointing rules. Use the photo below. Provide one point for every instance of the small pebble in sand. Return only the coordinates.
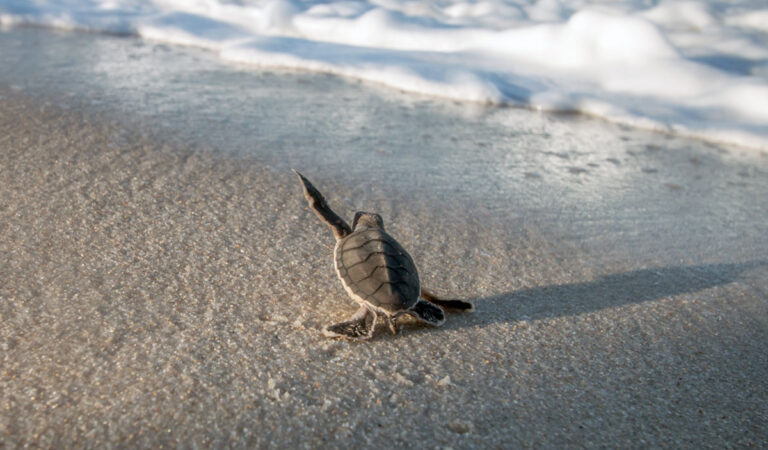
(460, 427)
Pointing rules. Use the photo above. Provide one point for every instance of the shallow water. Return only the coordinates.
(695, 67)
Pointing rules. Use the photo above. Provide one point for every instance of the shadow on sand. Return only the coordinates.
(608, 291)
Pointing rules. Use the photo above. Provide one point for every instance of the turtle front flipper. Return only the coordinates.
(321, 209)
(428, 312)
(458, 305)
(360, 326)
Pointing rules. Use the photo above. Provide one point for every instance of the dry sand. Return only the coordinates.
(158, 290)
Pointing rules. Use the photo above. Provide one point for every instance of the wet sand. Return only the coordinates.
(162, 286)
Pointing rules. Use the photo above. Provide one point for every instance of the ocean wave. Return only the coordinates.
(693, 68)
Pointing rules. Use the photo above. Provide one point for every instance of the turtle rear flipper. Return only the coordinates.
(427, 312)
(457, 305)
(360, 326)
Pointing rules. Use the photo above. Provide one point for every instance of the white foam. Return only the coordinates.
(690, 67)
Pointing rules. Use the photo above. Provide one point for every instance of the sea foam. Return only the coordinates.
(694, 68)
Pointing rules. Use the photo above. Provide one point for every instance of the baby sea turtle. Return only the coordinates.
(376, 272)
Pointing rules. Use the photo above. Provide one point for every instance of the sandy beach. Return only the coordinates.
(162, 282)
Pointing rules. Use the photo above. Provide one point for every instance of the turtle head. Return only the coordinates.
(367, 220)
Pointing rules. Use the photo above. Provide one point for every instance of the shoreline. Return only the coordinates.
(163, 290)
(714, 96)
(637, 124)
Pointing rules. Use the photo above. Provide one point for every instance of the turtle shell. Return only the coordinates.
(375, 268)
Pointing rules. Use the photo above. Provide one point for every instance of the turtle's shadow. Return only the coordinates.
(605, 292)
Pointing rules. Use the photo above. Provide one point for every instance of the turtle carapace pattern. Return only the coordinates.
(376, 272)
